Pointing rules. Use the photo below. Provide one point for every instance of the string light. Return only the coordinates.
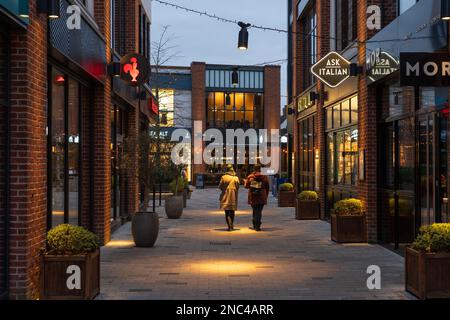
(252, 26)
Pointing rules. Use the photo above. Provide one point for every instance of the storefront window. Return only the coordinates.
(166, 107)
(234, 110)
(65, 152)
(307, 154)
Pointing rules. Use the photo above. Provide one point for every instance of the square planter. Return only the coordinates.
(307, 210)
(348, 229)
(70, 277)
(287, 199)
(427, 275)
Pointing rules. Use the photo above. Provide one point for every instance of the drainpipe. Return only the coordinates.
(4, 294)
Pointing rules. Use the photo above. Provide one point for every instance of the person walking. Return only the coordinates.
(259, 187)
(229, 185)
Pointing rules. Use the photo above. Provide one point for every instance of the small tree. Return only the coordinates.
(137, 153)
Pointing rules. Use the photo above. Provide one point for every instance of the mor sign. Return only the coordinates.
(425, 69)
(134, 69)
(333, 69)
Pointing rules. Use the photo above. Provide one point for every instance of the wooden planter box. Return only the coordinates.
(348, 229)
(307, 210)
(287, 199)
(59, 273)
(427, 275)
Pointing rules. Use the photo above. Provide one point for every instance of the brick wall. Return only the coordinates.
(198, 104)
(28, 155)
(272, 109)
(3, 44)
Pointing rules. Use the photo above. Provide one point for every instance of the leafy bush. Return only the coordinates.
(286, 187)
(182, 184)
(66, 239)
(434, 238)
(308, 196)
(349, 207)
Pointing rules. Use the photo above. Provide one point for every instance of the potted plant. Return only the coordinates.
(70, 264)
(308, 206)
(348, 222)
(286, 195)
(144, 224)
(174, 204)
(427, 263)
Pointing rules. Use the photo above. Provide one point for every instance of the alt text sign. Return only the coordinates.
(425, 69)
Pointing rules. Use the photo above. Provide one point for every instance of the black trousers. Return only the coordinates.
(229, 217)
(257, 215)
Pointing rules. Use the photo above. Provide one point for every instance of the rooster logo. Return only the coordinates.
(132, 69)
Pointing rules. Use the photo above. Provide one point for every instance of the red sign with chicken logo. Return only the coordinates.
(134, 69)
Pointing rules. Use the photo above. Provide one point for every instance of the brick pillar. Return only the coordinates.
(198, 107)
(323, 47)
(28, 155)
(101, 111)
(367, 123)
(272, 97)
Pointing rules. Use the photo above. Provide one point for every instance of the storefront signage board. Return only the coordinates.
(333, 69)
(380, 64)
(425, 69)
(134, 69)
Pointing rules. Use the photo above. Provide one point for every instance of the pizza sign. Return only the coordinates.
(134, 69)
(333, 69)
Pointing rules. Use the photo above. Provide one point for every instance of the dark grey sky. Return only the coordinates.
(200, 38)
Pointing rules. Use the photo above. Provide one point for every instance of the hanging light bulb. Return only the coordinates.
(445, 9)
(243, 35)
(235, 78)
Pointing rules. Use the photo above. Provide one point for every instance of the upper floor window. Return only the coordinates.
(404, 5)
(144, 33)
(346, 23)
(309, 23)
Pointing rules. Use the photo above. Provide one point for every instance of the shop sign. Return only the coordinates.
(425, 69)
(380, 64)
(333, 69)
(305, 102)
(134, 69)
(153, 106)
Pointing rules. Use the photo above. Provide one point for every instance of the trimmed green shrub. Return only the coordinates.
(433, 239)
(349, 207)
(286, 187)
(308, 196)
(66, 239)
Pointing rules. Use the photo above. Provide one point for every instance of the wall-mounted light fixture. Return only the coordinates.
(49, 7)
(235, 78)
(355, 70)
(243, 35)
(445, 9)
(24, 9)
(113, 69)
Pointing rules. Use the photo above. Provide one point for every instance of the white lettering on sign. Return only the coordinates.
(410, 68)
(74, 21)
(374, 20)
(430, 69)
(74, 280)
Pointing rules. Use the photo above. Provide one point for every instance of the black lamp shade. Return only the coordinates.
(24, 9)
(235, 78)
(114, 69)
(445, 9)
(53, 9)
(243, 39)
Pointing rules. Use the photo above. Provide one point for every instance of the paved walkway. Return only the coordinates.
(195, 258)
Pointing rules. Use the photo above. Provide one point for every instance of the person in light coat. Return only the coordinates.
(229, 185)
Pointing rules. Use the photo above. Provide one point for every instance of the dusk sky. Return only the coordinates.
(200, 38)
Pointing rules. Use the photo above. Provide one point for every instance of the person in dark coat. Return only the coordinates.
(258, 190)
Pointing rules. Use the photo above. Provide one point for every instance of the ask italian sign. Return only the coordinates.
(333, 69)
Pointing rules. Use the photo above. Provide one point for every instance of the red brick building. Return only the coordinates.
(370, 137)
(63, 119)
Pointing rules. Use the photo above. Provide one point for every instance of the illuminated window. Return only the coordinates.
(166, 107)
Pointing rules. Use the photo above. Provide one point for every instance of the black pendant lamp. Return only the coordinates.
(243, 36)
(235, 78)
(445, 9)
(49, 7)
